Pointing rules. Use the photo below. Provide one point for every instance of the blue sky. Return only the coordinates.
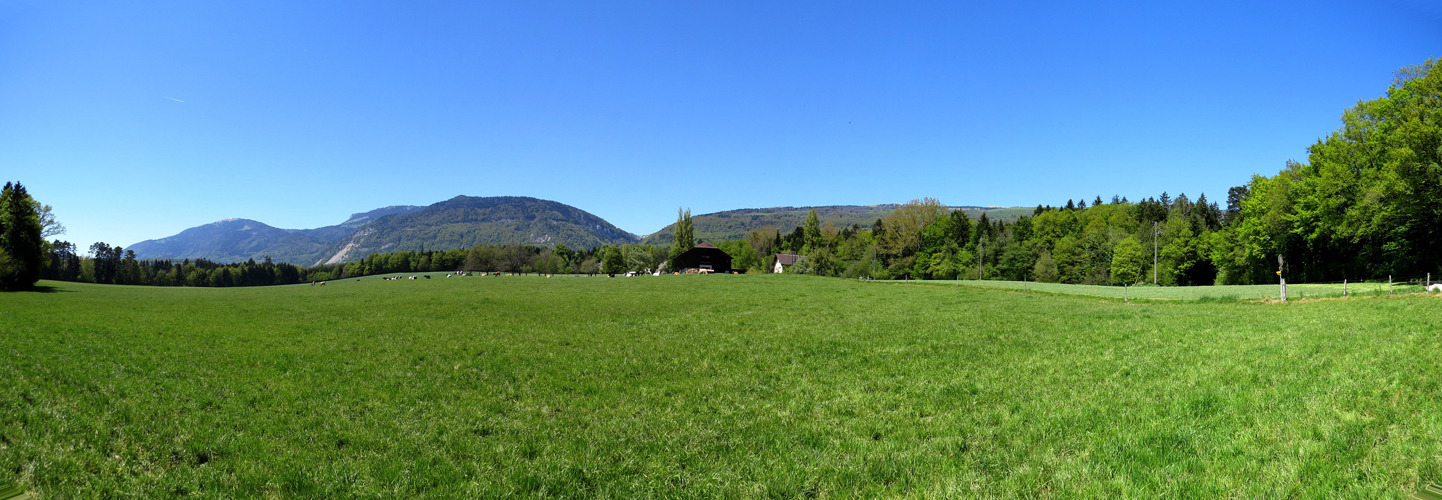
(139, 121)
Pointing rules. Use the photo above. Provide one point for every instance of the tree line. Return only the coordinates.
(107, 264)
(113, 265)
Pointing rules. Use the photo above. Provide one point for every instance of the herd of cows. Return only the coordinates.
(459, 274)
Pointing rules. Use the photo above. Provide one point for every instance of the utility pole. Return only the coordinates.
(1155, 233)
(981, 259)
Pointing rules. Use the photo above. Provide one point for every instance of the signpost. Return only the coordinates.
(1281, 262)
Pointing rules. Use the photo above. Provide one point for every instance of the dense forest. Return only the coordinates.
(1367, 204)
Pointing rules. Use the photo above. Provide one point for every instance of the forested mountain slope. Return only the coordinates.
(465, 221)
(228, 240)
(734, 224)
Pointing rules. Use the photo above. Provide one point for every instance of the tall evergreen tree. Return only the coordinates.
(20, 240)
(961, 226)
(982, 230)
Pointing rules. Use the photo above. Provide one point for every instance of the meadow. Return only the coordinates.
(1201, 293)
(746, 386)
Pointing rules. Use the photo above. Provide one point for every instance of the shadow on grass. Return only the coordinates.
(37, 289)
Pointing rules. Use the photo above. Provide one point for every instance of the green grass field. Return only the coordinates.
(1198, 293)
(711, 386)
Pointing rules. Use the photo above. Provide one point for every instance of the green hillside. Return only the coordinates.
(734, 224)
(775, 386)
(231, 240)
(465, 221)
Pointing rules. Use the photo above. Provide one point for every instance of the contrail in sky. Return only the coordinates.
(173, 99)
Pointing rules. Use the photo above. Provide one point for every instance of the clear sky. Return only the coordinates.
(139, 121)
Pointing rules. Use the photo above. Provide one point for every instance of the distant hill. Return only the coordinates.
(465, 221)
(734, 224)
(229, 240)
(236, 240)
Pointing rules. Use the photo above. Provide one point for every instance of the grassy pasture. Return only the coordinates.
(1201, 293)
(710, 386)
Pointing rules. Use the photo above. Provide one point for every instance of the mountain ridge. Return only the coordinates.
(459, 222)
(465, 221)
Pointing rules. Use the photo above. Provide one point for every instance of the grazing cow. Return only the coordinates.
(322, 283)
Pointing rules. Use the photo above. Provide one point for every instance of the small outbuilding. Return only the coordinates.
(781, 261)
(705, 256)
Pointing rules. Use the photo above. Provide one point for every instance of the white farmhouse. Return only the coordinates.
(781, 260)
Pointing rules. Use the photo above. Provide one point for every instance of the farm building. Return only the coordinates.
(782, 260)
(705, 256)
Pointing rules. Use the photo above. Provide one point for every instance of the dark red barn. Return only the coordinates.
(704, 256)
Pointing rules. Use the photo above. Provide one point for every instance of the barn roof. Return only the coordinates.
(787, 259)
(705, 244)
